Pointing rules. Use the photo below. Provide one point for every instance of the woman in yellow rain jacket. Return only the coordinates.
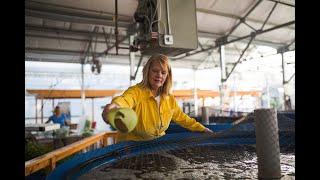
(153, 103)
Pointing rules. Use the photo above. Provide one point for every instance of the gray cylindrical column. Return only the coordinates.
(267, 143)
(205, 114)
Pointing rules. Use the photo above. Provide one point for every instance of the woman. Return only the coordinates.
(153, 103)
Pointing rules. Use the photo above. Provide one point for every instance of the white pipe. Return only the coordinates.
(168, 17)
(223, 75)
(83, 96)
(268, 94)
(195, 93)
(131, 60)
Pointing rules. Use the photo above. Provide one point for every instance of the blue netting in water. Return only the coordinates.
(84, 162)
(176, 138)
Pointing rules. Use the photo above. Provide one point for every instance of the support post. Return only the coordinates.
(268, 93)
(223, 75)
(283, 79)
(234, 94)
(42, 110)
(131, 59)
(195, 93)
(83, 96)
(36, 107)
(205, 115)
(116, 31)
(92, 109)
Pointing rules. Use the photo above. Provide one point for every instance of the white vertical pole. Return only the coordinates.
(223, 75)
(132, 60)
(235, 93)
(195, 93)
(92, 109)
(36, 107)
(283, 80)
(42, 105)
(268, 93)
(83, 96)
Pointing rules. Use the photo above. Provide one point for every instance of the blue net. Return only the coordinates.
(177, 141)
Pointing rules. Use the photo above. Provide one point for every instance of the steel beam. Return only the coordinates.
(116, 32)
(29, 27)
(222, 63)
(261, 32)
(62, 9)
(244, 22)
(291, 78)
(45, 6)
(291, 42)
(106, 37)
(228, 75)
(53, 51)
(200, 45)
(131, 60)
(232, 16)
(238, 39)
(74, 17)
(61, 38)
(264, 23)
(62, 52)
(135, 74)
(242, 19)
(123, 38)
(89, 46)
(283, 69)
(283, 3)
(106, 52)
(203, 34)
(121, 59)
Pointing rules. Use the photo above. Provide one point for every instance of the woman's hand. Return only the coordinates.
(207, 130)
(210, 132)
(106, 110)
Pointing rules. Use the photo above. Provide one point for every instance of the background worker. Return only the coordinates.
(59, 117)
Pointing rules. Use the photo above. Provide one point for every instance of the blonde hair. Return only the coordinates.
(165, 89)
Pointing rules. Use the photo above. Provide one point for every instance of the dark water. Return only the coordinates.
(207, 162)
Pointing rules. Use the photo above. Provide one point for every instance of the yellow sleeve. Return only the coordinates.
(127, 99)
(184, 120)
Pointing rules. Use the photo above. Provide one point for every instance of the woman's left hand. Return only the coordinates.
(207, 130)
(210, 132)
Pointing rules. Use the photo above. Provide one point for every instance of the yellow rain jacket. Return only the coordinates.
(152, 121)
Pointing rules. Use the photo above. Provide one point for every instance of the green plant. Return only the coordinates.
(34, 149)
(87, 130)
(274, 103)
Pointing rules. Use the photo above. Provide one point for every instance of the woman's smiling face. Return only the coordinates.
(157, 75)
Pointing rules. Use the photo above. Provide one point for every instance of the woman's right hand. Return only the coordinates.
(106, 110)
